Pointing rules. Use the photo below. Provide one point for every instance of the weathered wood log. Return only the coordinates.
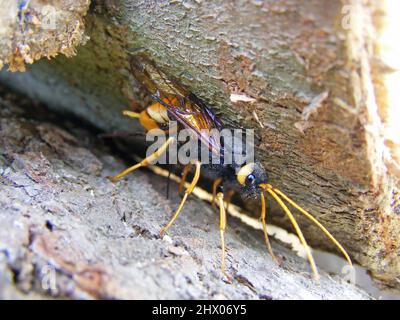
(318, 83)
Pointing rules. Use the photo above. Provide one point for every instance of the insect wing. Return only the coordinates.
(195, 119)
(187, 109)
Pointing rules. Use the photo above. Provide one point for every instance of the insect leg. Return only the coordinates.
(222, 225)
(298, 230)
(228, 198)
(131, 114)
(145, 161)
(186, 170)
(187, 192)
(216, 183)
(264, 224)
(120, 134)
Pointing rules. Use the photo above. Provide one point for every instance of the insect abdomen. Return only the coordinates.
(154, 117)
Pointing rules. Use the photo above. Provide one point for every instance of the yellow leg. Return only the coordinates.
(186, 170)
(228, 199)
(222, 225)
(131, 114)
(216, 183)
(144, 162)
(298, 231)
(264, 224)
(187, 192)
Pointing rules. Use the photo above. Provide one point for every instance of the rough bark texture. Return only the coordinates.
(315, 90)
(66, 231)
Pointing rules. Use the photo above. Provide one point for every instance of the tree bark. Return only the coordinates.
(315, 76)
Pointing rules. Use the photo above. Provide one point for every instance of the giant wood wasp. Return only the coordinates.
(174, 102)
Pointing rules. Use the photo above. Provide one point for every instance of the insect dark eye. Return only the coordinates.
(250, 179)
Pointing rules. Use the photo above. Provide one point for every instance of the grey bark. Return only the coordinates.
(312, 82)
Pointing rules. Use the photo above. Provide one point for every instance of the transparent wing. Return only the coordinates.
(181, 104)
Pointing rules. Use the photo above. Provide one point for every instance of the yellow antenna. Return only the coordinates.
(269, 189)
(309, 216)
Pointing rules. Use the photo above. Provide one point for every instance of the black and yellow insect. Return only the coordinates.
(174, 102)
